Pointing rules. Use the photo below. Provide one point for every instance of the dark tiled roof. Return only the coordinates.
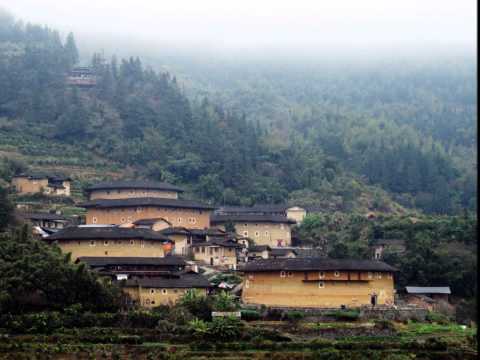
(147, 201)
(42, 216)
(428, 289)
(175, 230)
(107, 233)
(95, 261)
(134, 184)
(39, 176)
(391, 242)
(150, 221)
(281, 252)
(315, 264)
(313, 252)
(271, 208)
(258, 248)
(220, 242)
(218, 219)
(185, 280)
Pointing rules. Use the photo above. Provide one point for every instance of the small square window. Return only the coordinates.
(132, 242)
(94, 220)
(266, 233)
(152, 291)
(282, 274)
(379, 275)
(290, 274)
(370, 275)
(92, 243)
(245, 233)
(336, 273)
(257, 234)
(321, 274)
(164, 291)
(321, 284)
(122, 220)
(247, 284)
(105, 243)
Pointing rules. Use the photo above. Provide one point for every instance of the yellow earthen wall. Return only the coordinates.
(264, 233)
(220, 255)
(136, 248)
(189, 218)
(296, 214)
(151, 297)
(26, 186)
(132, 193)
(271, 289)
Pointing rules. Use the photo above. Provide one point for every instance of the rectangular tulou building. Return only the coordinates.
(124, 202)
(318, 283)
(88, 240)
(263, 229)
(40, 183)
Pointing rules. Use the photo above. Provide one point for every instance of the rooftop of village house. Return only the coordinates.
(41, 176)
(270, 218)
(100, 261)
(88, 232)
(316, 264)
(220, 242)
(177, 280)
(146, 201)
(134, 184)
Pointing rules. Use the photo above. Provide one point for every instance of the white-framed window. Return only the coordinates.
(132, 242)
(283, 274)
(179, 220)
(92, 243)
(105, 243)
(122, 220)
(247, 284)
(290, 274)
(142, 243)
(321, 274)
(336, 273)
(245, 225)
(266, 233)
(257, 234)
(94, 219)
(370, 275)
(152, 291)
(321, 284)
(164, 291)
(139, 209)
(245, 233)
(194, 220)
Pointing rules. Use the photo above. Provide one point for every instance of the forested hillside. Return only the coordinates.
(408, 126)
(342, 150)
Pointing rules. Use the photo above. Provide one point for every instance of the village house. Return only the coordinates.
(427, 297)
(81, 77)
(49, 222)
(43, 184)
(107, 240)
(150, 292)
(380, 246)
(128, 201)
(267, 252)
(217, 252)
(317, 283)
(271, 230)
(123, 268)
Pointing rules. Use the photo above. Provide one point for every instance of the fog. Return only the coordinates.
(263, 28)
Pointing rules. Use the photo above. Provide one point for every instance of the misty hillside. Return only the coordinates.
(349, 151)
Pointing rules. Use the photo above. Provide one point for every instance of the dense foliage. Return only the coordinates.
(141, 119)
(36, 275)
(438, 251)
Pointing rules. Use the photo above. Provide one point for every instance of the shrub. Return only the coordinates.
(384, 325)
(199, 306)
(438, 318)
(224, 301)
(225, 328)
(344, 315)
(199, 328)
(250, 315)
(294, 315)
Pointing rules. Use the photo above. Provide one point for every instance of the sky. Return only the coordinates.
(262, 25)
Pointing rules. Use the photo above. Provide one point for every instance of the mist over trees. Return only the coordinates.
(341, 138)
